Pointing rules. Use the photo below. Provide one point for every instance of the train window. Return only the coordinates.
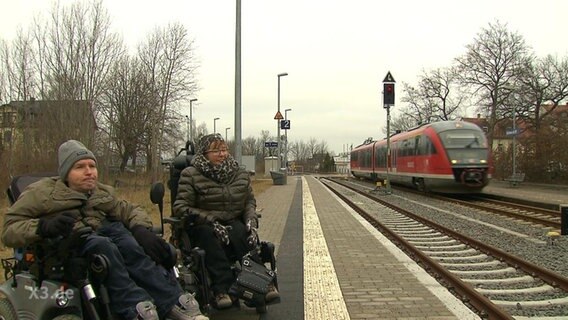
(367, 158)
(410, 146)
(417, 145)
(425, 146)
(381, 156)
(463, 139)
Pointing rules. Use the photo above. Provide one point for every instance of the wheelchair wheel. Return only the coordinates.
(7, 312)
(68, 316)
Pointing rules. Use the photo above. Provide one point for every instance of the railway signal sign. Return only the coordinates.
(285, 124)
(388, 101)
(270, 144)
(388, 93)
(388, 90)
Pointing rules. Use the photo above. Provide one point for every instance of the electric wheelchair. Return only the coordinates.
(190, 268)
(50, 280)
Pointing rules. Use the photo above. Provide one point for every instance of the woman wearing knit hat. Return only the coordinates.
(217, 194)
(138, 284)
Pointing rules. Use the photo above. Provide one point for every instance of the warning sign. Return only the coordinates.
(389, 78)
(278, 116)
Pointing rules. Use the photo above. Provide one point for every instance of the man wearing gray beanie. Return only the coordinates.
(69, 153)
(138, 284)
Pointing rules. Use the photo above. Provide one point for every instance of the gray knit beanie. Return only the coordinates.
(70, 152)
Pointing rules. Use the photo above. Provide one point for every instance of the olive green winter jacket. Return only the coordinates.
(50, 196)
(209, 200)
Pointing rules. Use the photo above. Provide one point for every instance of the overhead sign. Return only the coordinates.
(278, 116)
(270, 144)
(389, 78)
(285, 124)
(511, 131)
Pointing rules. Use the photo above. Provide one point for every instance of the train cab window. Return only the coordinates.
(465, 146)
(463, 139)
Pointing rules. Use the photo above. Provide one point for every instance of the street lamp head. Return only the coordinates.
(194, 99)
(216, 118)
(282, 74)
(287, 110)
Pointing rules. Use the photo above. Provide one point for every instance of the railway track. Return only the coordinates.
(522, 212)
(497, 284)
(532, 214)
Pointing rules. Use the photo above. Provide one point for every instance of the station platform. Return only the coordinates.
(333, 265)
(555, 195)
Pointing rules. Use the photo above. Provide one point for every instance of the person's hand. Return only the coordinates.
(60, 225)
(155, 247)
(251, 223)
(252, 239)
(221, 232)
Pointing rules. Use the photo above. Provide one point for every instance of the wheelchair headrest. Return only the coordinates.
(189, 148)
(182, 161)
(19, 184)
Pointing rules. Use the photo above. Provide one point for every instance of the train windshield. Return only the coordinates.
(463, 139)
(465, 146)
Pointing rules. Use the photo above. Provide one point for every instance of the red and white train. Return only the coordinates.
(447, 156)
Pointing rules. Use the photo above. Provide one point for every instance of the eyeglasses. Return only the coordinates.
(218, 151)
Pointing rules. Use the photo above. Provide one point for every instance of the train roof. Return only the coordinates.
(446, 125)
(437, 126)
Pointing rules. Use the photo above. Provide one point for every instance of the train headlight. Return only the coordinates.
(454, 161)
(483, 161)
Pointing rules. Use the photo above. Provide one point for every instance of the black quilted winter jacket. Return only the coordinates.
(209, 200)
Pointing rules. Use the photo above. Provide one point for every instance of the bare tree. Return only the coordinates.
(18, 68)
(438, 97)
(4, 95)
(168, 60)
(201, 131)
(402, 122)
(250, 147)
(440, 87)
(78, 48)
(545, 82)
(128, 103)
(492, 62)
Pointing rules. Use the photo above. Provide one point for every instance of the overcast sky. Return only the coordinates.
(336, 53)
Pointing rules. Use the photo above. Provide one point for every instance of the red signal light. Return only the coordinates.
(388, 94)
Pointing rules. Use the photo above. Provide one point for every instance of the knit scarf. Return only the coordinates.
(222, 173)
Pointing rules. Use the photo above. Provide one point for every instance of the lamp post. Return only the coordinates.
(226, 129)
(286, 135)
(278, 161)
(215, 125)
(188, 121)
(190, 135)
